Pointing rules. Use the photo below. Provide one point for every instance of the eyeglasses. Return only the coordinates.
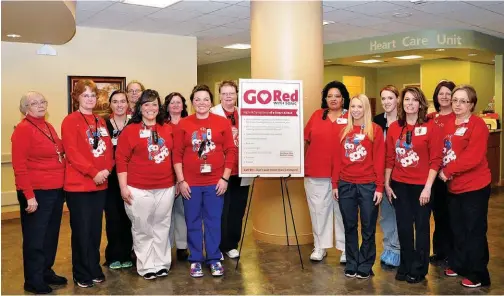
(86, 96)
(228, 94)
(135, 91)
(175, 103)
(37, 104)
(333, 98)
(461, 102)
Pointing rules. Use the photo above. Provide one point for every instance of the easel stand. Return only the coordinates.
(283, 183)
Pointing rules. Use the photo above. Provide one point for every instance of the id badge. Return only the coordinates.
(359, 137)
(103, 132)
(420, 131)
(460, 131)
(205, 168)
(145, 133)
(114, 141)
(340, 120)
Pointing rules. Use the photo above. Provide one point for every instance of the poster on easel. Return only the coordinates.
(271, 128)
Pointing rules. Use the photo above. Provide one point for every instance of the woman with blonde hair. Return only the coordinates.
(357, 179)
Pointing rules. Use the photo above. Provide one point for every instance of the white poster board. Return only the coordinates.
(271, 128)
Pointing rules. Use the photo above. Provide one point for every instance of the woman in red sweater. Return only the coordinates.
(145, 172)
(414, 155)
(89, 154)
(357, 181)
(39, 167)
(468, 176)
(203, 157)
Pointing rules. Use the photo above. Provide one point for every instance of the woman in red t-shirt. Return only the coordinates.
(175, 109)
(204, 156)
(468, 176)
(39, 171)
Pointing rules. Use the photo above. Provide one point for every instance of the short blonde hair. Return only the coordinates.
(142, 87)
(25, 99)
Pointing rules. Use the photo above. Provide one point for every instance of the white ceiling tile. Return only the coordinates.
(234, 11)
(218, 31)
(138, 10)
(499, 8)
(82, 15)
(148, 25)
(410, 4)
(245, 3)
(92, 5)
(342, 4)
(394, 27)
(186, 28)
(200, 6)
(373, 8)
(483, 3)
(443, 7)
(215, 20)
(243, 24)
(366, 21)
(109, 19)
(340, 15)
(175, 14)
(495, 26)
(475, 16)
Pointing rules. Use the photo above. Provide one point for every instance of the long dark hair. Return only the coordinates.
(149, 95)
(446, 83)
(167, 101)
(343, 90)
(422, 108)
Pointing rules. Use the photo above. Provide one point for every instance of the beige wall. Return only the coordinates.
(163, 62)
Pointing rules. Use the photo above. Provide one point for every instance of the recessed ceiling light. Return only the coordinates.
(377, 56)
(472, 54)
(327, 22)
(409, 57)
(440, 49)
(402, 14)
(238, 46)
(13, 35)
(328, 61)
(369, 61)
(152, 3)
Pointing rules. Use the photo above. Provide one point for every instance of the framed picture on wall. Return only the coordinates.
(416, 84)
(105, 84)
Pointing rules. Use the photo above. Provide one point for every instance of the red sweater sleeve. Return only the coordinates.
(390, 149)
(229, 147)
(436, 147)
(474, 153)
(178, 143)
(123, 150)
(72, 153)
(379, 157)
(336, 163)
(20, 148)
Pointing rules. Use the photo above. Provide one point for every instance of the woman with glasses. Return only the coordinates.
(235, 198)
(468, 177)
(413, 158)
(39, 169)
(134, 90)
(442, 240)
(321, 137)
(118, 225)
(145, 172)
(204, 156)
(175, 109)
(89, 153)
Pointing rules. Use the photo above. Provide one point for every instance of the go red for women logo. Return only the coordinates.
(253, 96)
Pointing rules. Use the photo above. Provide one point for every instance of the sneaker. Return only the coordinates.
(350, 273)
(196, 270)
(42, 289)
(55, 280)
(233, 254)
(149, 276)
(127, 264)
(318, 254)
(469, 284)
(221, 257)
(414, 279)
(217, 269)
(342, 258)
(115, 265)
(99, 279)
(162, 272)
(84, 284)
(450, 272)
(182, 254)
(362, 275)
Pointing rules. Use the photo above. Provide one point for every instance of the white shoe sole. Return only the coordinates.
(318, 259)
(350, 275)
(472, 286)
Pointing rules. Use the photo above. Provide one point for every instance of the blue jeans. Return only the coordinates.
(391, 248)
(205, 207)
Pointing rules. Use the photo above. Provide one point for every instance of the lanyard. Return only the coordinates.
(95, 133)
(50, 137)
(118, 131)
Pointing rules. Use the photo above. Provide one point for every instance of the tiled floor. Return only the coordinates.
(264, 269)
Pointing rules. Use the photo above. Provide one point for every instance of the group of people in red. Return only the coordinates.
(161, 176)
(409, 162)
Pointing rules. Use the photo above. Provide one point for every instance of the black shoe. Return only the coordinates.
(415, 279)
(39, 289)
(400, 277)
(84, 284)
(162, 272)
(55, 279)
(437, 259)
(99, 280)
(362, 275)
(350, 273)
(182, 254)
(149, 276)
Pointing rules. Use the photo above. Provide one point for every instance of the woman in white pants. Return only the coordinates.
(146, 179)
(321, 137)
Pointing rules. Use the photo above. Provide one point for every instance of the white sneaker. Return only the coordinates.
(342, 259)
(318, 254)
(233, 254)
(221, 257)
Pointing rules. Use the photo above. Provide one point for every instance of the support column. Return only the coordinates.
(287, 43)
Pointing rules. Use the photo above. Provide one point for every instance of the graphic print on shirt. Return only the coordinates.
(202, 136)
(354, 149)
(405, 154)
(101, 144)
(448, 153)
(157, 152)
(236, 140)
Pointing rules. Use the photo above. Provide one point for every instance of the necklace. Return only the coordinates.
(50, 137)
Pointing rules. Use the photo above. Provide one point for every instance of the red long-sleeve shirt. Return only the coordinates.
(34, 156)
(359, 160)
(219, 148)
(149, 165)
(465, 148)
(322, 136)
(441, 120)
(411, 163)
(84, 162)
